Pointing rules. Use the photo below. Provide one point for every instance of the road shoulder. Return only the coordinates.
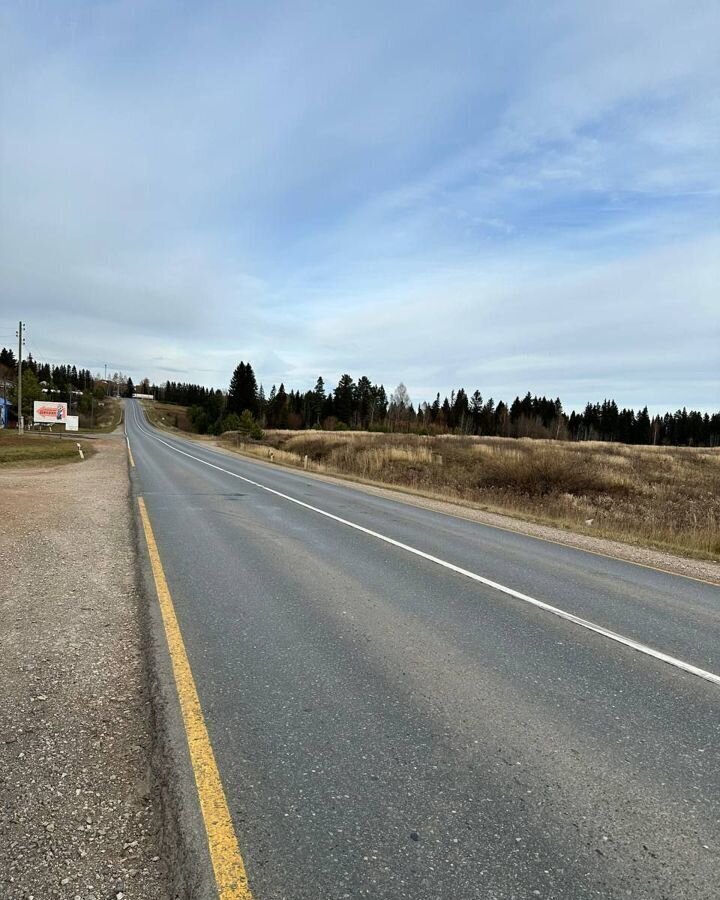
(79, 817)
(701, 570)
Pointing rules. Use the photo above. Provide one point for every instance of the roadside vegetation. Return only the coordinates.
(105, 416)
(167, 415)
(663, 497)
(16, 449)
(193, 419)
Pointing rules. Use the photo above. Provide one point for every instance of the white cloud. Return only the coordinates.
(518, 198)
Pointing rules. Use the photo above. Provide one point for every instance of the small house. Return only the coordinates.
(4, 412)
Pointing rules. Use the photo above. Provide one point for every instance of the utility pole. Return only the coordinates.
(21, 341)
(4, 415)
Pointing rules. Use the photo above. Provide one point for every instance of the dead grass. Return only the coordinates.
(663, 497)
(167, 415)
(107, 417)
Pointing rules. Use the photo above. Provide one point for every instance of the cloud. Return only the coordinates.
(511, 198)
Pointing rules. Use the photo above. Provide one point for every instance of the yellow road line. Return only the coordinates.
(230, 874)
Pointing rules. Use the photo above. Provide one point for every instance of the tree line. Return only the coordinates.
(65, 382)
(364, 405)
(53, 377)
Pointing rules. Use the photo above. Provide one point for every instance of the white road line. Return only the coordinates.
(510, 592)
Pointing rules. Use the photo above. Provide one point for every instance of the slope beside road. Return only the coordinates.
(386, 725)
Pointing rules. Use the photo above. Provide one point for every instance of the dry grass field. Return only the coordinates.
(664, 497)
(168, 415)
(108, 415)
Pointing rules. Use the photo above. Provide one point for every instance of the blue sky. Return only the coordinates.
(509, 196)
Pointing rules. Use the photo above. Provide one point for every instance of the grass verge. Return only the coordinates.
(38, 448)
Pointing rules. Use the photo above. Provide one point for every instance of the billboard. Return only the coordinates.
(71, 423)
(48, 411)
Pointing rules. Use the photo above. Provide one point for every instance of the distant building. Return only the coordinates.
(143, 397)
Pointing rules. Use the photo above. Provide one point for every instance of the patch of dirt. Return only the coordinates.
(77, 818)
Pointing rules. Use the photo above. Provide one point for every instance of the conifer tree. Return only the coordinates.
(243, 390)
(318, 401)
(344, 396)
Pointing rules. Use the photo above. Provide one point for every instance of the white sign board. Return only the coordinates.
(71, 423)
(48, 411)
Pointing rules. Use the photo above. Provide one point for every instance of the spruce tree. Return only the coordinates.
(318, 401)
(243, 390)
(344, 397)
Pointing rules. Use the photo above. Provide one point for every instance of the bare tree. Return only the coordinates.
(399, 408)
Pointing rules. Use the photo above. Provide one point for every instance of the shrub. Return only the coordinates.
(231, 422)
(248, 426)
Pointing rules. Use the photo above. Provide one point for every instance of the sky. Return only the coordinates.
(509, 197)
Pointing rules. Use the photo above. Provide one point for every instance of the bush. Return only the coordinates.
(248, 426)
(231, 422)
(199, 419)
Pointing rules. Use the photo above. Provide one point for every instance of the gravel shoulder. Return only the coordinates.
(77, 818)
(678, 565)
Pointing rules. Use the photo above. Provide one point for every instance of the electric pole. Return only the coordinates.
(21, 341)
(4, 415)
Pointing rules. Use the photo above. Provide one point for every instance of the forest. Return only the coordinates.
(366, 406)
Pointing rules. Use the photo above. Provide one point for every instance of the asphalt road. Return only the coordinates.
(387, 727)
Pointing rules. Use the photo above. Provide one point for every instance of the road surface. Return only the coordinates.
(386, 725)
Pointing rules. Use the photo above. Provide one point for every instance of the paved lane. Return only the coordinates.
(359, 697)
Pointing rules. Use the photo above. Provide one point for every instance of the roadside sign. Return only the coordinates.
(71, 423)
(49, 412)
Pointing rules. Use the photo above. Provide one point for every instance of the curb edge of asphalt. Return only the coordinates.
(182, 833)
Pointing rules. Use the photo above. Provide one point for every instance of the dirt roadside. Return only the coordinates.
(77, 819)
